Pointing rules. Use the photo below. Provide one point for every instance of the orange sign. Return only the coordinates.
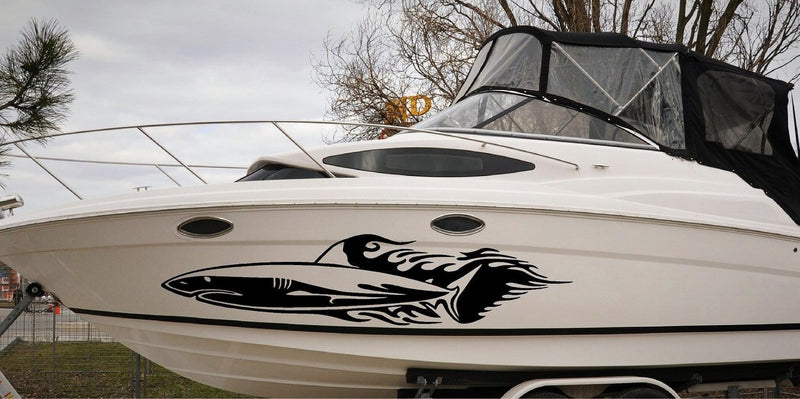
(400, 108)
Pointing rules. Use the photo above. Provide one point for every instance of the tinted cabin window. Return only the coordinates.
(281, 172)
(431, 162)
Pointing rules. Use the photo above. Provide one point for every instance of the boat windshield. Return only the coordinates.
(503, 112)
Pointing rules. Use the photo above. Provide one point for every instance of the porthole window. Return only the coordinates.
(205, 227)
(429, 162)
(457, 225)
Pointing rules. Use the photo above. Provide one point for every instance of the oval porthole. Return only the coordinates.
(205, 227)
(457, 224)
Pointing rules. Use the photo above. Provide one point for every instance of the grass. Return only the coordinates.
(92, 370)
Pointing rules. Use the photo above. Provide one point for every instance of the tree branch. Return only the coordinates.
(722, 25)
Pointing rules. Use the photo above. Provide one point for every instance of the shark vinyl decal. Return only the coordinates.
(368, 277)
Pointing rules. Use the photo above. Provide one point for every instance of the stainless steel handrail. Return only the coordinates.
(18, 143)
(171, 155)
(53, 175)
(169, 165)
(278, 124)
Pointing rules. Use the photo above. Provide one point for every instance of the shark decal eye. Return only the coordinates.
(368, 277)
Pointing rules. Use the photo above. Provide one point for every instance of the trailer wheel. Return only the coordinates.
(34, 290)
(544, 394)
(643, 392)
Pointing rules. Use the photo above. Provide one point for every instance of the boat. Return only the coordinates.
(589, 206)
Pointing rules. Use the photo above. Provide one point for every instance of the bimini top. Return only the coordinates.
(690, 105)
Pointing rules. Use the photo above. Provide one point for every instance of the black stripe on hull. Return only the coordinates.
(450, 331)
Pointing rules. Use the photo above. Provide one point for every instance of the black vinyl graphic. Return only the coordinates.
(368, 277)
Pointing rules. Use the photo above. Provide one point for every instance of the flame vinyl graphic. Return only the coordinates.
(368, 277)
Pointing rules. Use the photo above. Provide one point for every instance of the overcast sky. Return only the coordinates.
(167, 61)
(145, 62)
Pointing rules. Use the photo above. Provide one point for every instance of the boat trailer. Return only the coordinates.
(32, 291)
(615, 383)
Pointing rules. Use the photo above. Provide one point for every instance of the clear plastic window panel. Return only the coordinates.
(642, 87)
(476, 67)
(514, 61)
(540, 117)
(473, 111)
(508, 112)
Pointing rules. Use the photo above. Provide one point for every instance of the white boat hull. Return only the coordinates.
(308, 364)
(614, 291)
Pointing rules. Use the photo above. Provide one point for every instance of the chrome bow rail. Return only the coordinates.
(173, 162)
(146, 131)
(143, 129)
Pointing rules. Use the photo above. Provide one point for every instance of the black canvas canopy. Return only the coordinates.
(692, 106)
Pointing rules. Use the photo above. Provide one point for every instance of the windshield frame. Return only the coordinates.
(539, 136)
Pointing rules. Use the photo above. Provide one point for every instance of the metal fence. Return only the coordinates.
(50, 352)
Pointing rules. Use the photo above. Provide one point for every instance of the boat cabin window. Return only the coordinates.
(282, 172)
(511, 112)
(429, 162)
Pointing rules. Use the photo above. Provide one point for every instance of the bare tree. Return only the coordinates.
(408, 47)
(34, 84)
(421, 48)
(357, 71)
(764, 44)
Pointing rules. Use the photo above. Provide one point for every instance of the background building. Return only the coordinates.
(10, 280)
